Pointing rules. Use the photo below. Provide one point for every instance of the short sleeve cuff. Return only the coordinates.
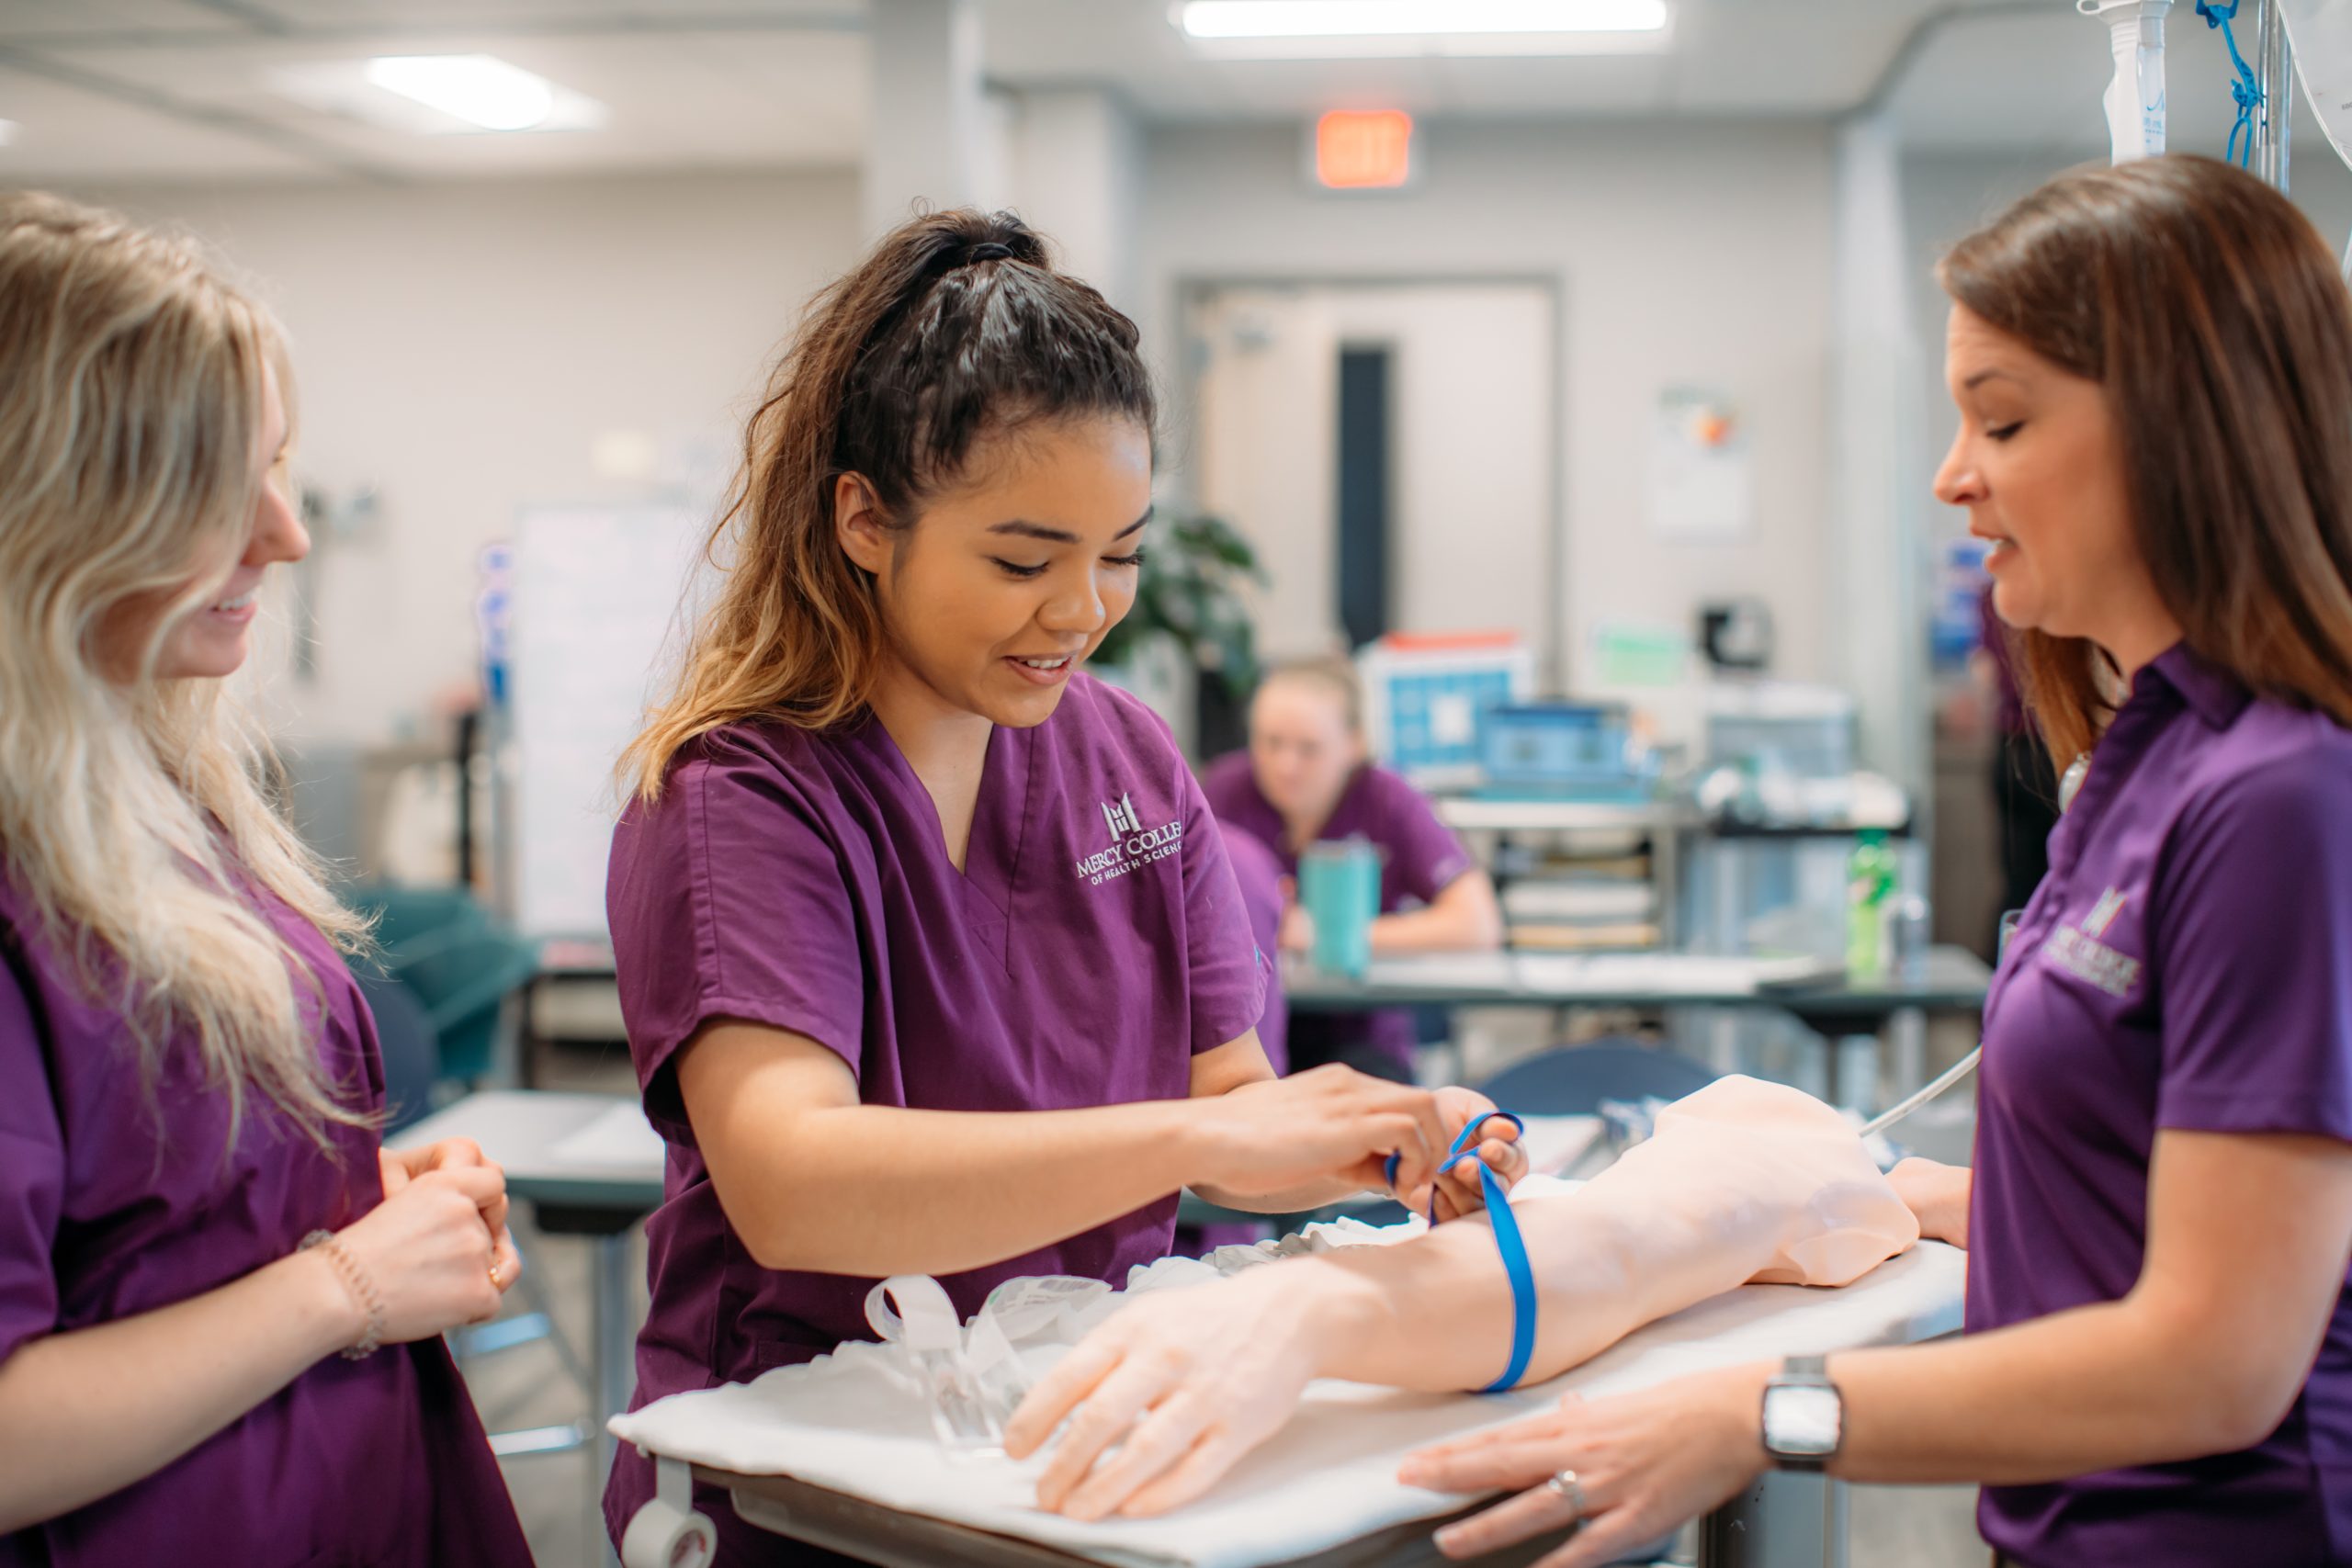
(2190, 1110)
(664, 1104)
(1220, 1021)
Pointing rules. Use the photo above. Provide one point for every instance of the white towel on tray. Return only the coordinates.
(857, 1422)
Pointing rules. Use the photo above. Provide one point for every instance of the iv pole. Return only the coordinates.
(2274, 69)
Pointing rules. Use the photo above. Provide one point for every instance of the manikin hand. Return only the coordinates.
(1743, 1181)
(1212, 1372)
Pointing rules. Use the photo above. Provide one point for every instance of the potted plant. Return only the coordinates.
(1189, 612)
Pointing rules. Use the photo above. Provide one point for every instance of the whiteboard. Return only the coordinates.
(597, 623)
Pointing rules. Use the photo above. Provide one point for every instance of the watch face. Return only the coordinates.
(1802, 1422)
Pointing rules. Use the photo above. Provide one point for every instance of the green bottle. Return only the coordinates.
(1871, 874)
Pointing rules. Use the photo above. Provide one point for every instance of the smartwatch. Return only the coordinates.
(1804, 1419)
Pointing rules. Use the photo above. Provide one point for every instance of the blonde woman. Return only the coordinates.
(195, 1215)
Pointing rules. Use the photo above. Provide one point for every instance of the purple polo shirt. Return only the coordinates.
(1094, 942)
(2188, 963)
(107, 1212)
(1420, 859)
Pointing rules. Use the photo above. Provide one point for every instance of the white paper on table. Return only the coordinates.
(852, 1424)
(1659, 974)
(1547, 975)
(619, 1139)
(1453, 971)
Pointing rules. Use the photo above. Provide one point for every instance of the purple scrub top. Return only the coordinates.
(1094, 943)
(1420, 859)
(1260, 878)
(2188, 963)
(106, 1214)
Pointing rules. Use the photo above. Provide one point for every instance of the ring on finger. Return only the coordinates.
(1564, 1486)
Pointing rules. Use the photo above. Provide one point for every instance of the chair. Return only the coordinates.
(439, 989)
(457, 960)
(1572, 1080)
(402, 913)
(464, 978)
(404, 1037)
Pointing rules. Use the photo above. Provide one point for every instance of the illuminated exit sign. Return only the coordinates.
(1357, 150)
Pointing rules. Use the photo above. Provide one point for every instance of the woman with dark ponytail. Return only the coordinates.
(930, 954)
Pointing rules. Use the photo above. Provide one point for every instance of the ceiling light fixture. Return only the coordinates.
(480, 89)
(1434, 19)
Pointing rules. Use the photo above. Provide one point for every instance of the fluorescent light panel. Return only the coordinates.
(480, 89)
(1432, 19)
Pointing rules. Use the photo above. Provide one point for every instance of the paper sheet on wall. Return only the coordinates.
(597, 593)
(1700, 485)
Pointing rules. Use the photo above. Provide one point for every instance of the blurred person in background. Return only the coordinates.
(1307, 775)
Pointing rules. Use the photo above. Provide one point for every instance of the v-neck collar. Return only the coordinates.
(2157, 698)
(999, 820)
(1000, 813)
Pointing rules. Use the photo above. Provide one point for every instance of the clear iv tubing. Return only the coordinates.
(1950, 1076)
(2069, 786)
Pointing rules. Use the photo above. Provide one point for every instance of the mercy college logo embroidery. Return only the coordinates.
(2081, 954)
(1132, 844)
(1120, 815)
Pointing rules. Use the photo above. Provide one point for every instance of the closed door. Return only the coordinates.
(1392, 451)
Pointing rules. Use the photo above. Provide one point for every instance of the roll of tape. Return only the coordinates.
(663, 1535)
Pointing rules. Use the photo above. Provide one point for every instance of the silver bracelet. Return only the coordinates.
(363, 1291)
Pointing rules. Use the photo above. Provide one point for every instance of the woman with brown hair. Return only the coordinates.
(2153, 370)
(929, 950)
(196, 1211)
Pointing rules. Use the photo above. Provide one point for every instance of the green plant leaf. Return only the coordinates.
(1191, 590)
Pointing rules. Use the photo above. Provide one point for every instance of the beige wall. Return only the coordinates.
(464, 348)
(1682, 254)
(1470, 472)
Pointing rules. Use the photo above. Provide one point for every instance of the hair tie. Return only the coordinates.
(988, 250)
